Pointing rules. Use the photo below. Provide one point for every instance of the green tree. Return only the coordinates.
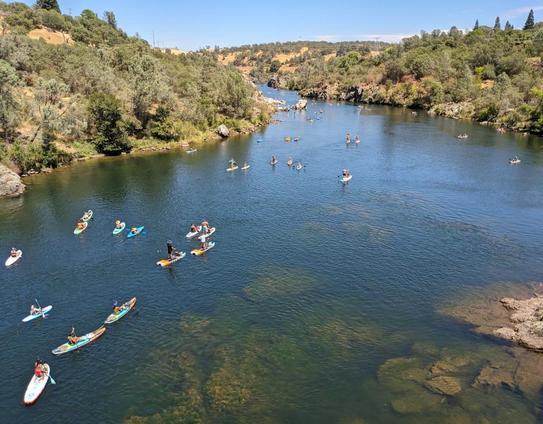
(8, 103)
(476, 26)
(530, 21)
(110, 18)
(497, 24)
(106, 118)
(48, 5)
(508, 26)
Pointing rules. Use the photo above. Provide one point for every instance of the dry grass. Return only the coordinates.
(50, 36)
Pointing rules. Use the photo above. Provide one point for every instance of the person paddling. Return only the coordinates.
(193, 228)
(133, 230)
(348, 138)
(13, 252)
(38, 368)
(35, 310)
(357, 140)
(72, 338)
(172, 251)
(116, 308)
(118, 224)
(80, 225)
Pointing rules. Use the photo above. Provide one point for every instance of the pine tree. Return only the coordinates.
(530, 22)
(476, 26)
(48, 5)
(497, 24)
(508, 26)
(110, 18)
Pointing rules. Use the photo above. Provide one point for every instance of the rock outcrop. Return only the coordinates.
(10, 183)
(223, 131)
(300, 104)
(526, 327)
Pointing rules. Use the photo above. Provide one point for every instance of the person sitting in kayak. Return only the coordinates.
(193, 228)
(87, 214)
(116, 308)
(273, 160)
(118, 224)
(357, 139)
(345, 173)
(290, 161)
(38, 368)
(133, 230)
(80, 225)
(34, 310)
(72, 338)
(348, 138)
(13, 252)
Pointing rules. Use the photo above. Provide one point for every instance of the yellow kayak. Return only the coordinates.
(200, 251)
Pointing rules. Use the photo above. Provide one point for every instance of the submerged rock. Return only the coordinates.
(10, 183)
(223, 131)
(444, 385)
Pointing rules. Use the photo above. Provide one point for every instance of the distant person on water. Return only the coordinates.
(116, 308)
(193, 228)
(133, 230)
(13, 252)
(35, 310)
(348, 138)
(87, 214)
(118, 224)
(80, 225)
(357, 139)
(172, 251)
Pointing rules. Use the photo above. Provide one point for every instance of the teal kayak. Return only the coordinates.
(119, 230)
(138, 231)
(125, 308)
(83, 340)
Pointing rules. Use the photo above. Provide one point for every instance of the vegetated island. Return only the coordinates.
(492, 75)
(74, 87)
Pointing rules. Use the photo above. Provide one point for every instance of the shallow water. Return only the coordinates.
(312, 286)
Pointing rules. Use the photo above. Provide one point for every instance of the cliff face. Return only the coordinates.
(10, 183)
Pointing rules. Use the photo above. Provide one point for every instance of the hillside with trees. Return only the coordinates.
(491, 74)
(75, 86)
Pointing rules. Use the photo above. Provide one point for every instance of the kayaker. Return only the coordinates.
(273, 160)
(34, 310)
(118, 224)
(80, 225)
(116, 308)
(133, 230)
(357, 139)
(38, 368)
(348, 137)
(86, 215)
(290, 162)
(13, 252)
(345, 172)
(72, 338)
(193, 228)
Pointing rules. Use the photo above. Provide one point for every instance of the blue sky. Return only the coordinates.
(190, 25)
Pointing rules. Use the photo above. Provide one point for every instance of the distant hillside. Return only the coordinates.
(263, 61)
(492, 75)
(74, 86)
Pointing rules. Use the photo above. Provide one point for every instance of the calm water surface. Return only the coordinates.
(311, 288)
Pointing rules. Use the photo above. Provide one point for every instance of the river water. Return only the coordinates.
(314, 293)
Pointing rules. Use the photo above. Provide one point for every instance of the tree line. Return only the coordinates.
(103, 90)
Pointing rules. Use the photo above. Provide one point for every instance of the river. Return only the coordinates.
(312, 285)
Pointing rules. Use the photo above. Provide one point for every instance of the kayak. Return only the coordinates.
(232, 168)
(83, 340)
(244, 168)
(41, 314)
(346, 179)
(12, 259)
(191, 151)
(167, 262)
(80, 230)
(138, 231)
(119, 230)
(125, 308)
(199, 251)
(203, 237)
(89, 217)
(272, 163)
(36, 386)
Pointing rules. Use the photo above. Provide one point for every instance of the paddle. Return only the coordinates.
(51, 379)
(42, 314)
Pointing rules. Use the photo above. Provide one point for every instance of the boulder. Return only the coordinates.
(223, 131)
(300, 104)
(444, 385)
(10, 183)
